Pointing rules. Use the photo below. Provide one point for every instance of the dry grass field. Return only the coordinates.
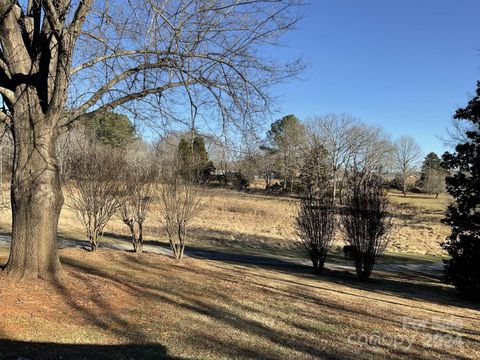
(245, 292)
(253, 222)
(419, 229)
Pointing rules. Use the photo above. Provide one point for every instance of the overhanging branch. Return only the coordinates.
(80, 114)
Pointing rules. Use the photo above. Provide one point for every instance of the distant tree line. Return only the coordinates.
(288, 148)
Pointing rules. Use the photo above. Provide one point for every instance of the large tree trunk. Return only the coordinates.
(36, 196)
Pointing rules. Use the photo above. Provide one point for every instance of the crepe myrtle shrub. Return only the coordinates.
(133, 212)
(97, 188)
(315, 224)
(366, 222)
(180, 201)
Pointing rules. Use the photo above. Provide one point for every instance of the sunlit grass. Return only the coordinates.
(216, 310)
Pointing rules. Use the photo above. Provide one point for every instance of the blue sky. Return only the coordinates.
(405, 65)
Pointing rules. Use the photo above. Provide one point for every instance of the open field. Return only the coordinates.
(419, 228)
(255, 222)
(245, 291)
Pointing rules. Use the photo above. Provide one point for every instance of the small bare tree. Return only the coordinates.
(134, 210)
(97, 188)
(180, 202)
(434, 182)
(316, 221)
(366, 222)
(315, 225)
(407, 158)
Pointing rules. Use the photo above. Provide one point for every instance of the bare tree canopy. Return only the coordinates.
(62, 61)
(408, 155)
(114, 52)
(350, 144)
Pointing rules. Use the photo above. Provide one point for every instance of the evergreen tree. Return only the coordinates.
(287, 137)
(432, 177)
(193, 157)
(112, 129)
(432, 161)
(463, 245)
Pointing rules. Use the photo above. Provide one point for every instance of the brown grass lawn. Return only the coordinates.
(118, 305)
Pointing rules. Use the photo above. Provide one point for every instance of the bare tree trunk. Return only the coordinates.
(334, 190)
(140, 238)
(137, 237)
(93, 243)
(364, 266)
(36, 197)
(131, 225)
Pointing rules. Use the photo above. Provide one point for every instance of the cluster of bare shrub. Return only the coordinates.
(104, 182)
(316, 224)
(362, 215)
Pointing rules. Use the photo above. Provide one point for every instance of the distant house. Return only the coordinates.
(412, 179)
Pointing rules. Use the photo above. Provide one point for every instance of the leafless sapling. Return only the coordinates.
(140, 183)
(407, 157)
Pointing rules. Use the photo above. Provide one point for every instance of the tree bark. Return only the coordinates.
(139, 248)
(334, 190)
(36, 196)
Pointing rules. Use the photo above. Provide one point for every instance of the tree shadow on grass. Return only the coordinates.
(100, 315)
(186, 301)
(405, 283)
(14, 350)
(408, 284)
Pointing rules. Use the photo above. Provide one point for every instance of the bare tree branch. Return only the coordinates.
(53, 18)
(79, 17)
(8, 94)
(13, 46)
